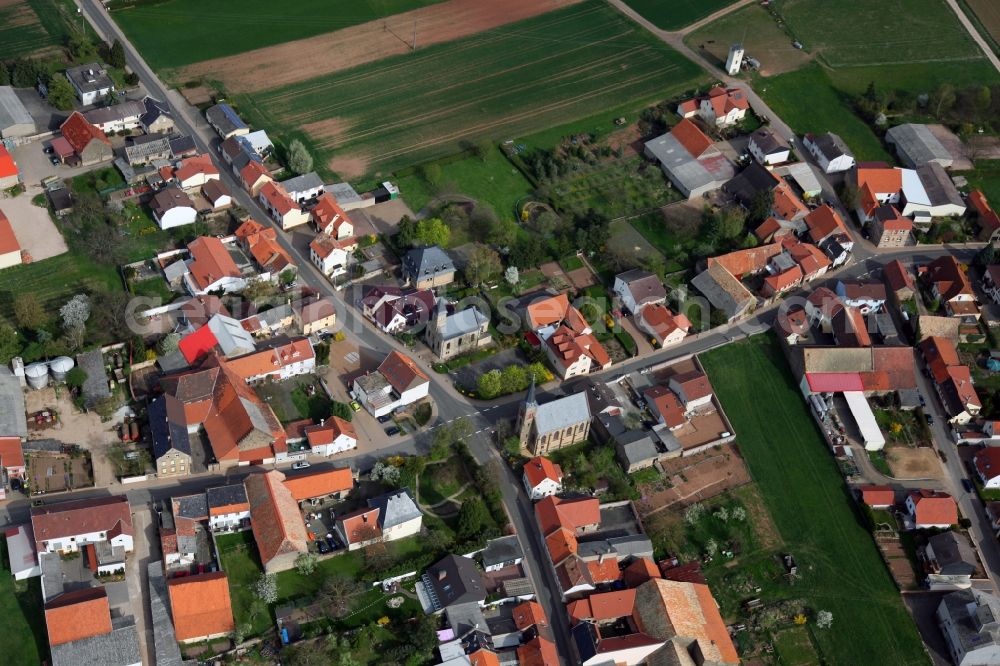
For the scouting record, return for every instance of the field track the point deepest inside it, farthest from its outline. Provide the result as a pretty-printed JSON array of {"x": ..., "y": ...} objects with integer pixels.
[{"x": 285, "y": 64}]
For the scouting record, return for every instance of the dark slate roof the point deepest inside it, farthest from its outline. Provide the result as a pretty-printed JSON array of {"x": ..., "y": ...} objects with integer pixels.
[
  {"x": 154, "y": 109},
  {"x": 940, "y": 190},
  {"x": 181, "y": 144},
  {"x": 965, "y": 626},
  {"x": 193, "y": 507},
  {"x": 831, "y": 145},
  {"x": 118, "y": 648},
  {"x": 169, "y": 430},
  {"x": 426, "y": 262},
  {"x": 502, "y": 550},
  {"x": 165, "y": 641},
  {"x": 954, "y": 554},
  {"x": 768, "y": 141},
  {"x": 749, "y": 182},
  {"x": 235, "y": 493},
  {"x": 455, "y": 580},
  {"x": 225, "y": 118}
]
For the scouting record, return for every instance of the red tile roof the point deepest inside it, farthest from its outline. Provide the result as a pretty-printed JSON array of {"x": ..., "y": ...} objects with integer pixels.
[
  {"x": 883, "y": 180},
  {"x": 786, "y": 203},
  {"x": 528, "y": 614},
  {"x": 252, "y": 173},
  {"x": 940, "y": 354},
  {"x": 897, "y": 277},
  {"x": 878, "y": 495},
  {"x": 320, "y": 483},
  {"x": 79, "y": 133},
  {"x": 110, "y": 515},
  {"x": 988, "y": 462},
  {"x": 484, "y": 657},
  {"x": 402, "y": 372},
  {"x": 724, "y": 100},
  {"x": 8, "y": 241},
  {"x": 810, "y": 259},
  {"x": 823, "y": 222},
  {"x": 73, "y": 616},
  {"x": 328, "y": 215},
  {"x": 273, "y": 359},
  {"x": 775, "y": 284},
  {"x": 749, "y": 261},
  {"x": 11, "y": 453},
  {"x": 194, "y": 166},
  {"x": 665, "y": 403},
  {"x": 277, "y": 525},
  {"x": 661, "y": 321},
  {"x": 360, "y": 525},
  {"x": 949, "y": 278},
  {"x": 324, "y": 245},
  {"x": 540, "y": 468},
  {"x": 200, "y": 605},
  {"x": 604, "y": 572},
  {"x": 278, "y": 198},
  {"x": 546, "y": 311},
  {"x": 7, "y": 166},
  {"x": 539, "y": 651},
  {"x": 573, "y": 514},
  {"x": 934, "y": 508},
  {"x": 330, "y": 430},
  {"x": 692, "y": 138},
  {"x": 568, "y": 346},
  {"x": 694, "y": 384},
  {"x": 693, "y": 613},
  {"x": 639, "y": 571},
  {"x": 210, "y": 261},
  {"x": 603, "y": 606}
]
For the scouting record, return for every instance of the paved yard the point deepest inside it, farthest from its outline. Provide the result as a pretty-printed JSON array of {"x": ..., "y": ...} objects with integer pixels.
[{"x": 34, "y": 229}]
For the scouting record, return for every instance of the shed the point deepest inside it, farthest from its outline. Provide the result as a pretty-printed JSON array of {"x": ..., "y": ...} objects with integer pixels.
[
  {"x": 865, "y": 418},
  {"x": 916, "y": 145},
  {"x": 95, "y": 387}
]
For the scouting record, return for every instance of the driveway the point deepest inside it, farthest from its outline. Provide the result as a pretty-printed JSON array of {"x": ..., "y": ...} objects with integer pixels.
[
  {"x": 137, "y": 577},
  {"x": 35, "y": 231}
]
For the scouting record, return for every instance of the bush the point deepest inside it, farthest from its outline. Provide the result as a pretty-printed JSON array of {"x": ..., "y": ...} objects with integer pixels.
[{"x": 423, "y": 414}]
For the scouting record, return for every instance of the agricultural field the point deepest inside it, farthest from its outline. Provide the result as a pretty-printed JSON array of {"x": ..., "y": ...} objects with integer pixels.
[
  {"x": 985, "y": 15},
  {"x": 28, "y": 28},
  {"x": 810, "y": 505},
  {"x": 826, "y": 112},
  {"x": 516, "y": 80},
  {"x": 914, "y": 31},
  {"x": 676, "y": 14},
  {"x": 181, "y": 32},
  {"x": 760, "y": 34},
  {"x": 22, "y": 633},
  {"x": 54, "y": 281}
]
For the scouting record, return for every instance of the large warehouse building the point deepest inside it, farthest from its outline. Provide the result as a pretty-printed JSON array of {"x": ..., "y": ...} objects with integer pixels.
[{"x": 15, "y": 121}]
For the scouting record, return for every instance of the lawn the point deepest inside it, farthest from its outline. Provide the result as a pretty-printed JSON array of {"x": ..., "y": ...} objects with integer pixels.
[
  {"x": 812, "y": 509},
  {"x": 616, "y": 188},
  {"x": 406, "y": 110},
  {"x": 23, "y": 640},
  {"x": 54, "y": 281},
  {"x": 914, "y": 31},
  {"x": 827, "y": 110},
  {"x": 986, "y": 177},
  {"x": 181, "y": 32},
  {"x": 239, "y": 559},
  {"x": 491, "y": 179},
  {"x": 794, "y": 647},
  {"x": 442, "y": 480},
  {"x": 675, "y": 14}
]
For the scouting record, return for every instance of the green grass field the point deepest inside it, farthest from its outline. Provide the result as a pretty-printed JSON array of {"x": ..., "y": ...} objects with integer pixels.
[
  {"x": 812, "y": 509},
  {"x": 32, "y": 26},
  {"x": 675, "y": 14},
  {"x": 54, "y": 281},
  {"x": 511, "y": 81},
  {"x": 182, "y": 32},
  {"x": 909, "y": 31},
  {"x": 23, "y": 639},
  {"x": 826, "y": 110}
]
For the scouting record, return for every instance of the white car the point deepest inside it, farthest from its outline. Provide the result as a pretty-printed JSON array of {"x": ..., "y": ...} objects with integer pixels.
[{"x": 300, "y": 465}]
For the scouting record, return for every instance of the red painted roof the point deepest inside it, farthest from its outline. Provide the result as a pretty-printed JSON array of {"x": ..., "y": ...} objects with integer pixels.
[
  {"x": 320, "y": 483},
  {"x": 197, "y": 344},
  {"x": 834, "y": 382},
  {"x": 200, "y": 605},
  {"x": 7, "y": 166},
  {"x": 8, "y": 241},
  {"x": 878, "y": 495},
  {"x": 11, "y": 453},
  {"x": 934, "y": 508}
]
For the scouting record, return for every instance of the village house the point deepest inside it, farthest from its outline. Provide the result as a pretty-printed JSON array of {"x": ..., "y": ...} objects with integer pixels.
[
  {"x": 878, "y": 497},
  {"x": 15, "y": 121},
  {"x": 66, "y": 527},
  {"x": 81, "y": 630},
  {"x": 502, "y": 552},
  {"x": 211, "y": 268},
  {"x": 987, "y": 464},
  {"x": 191, "y": 173},
  {"x": 553, "y": 425},
  {"x": 931, "y": 509},
  {"x": 948, "y": 561},
  {"x": 121, "y": 117},
  {"x": 829, "y": 151},
  {"x": 987, "y": 218},
  {"x": 970, "y": 622},
  {"x": 200, "y": 607},
  {"x": 330, "y": 219},
  {"x": 916, "y": 144},
  {"x": 171, "y": 441},
  {"x": 329, "y": 255},
  {"x": 224, "y": 120},
  {"x": 394, "y": 515},
  {"x": 90, "y": 82},
  {"x": 228, "y": 508},
  {"x": 9, "y": 173},
  {"x": 254, "y": 176},
  {"x": 721, "y": 107},
  {"x": 314, "y": 314},
  {"x": 276, "y": 522},
  {"x": 10, "y": 248},
  {"x": 566, "y": 336},
  {"x": 665, "y": 406},
  {"x": 262, "y": 244},
  {"x": 768, "y": 148},
  {"x": 450, "y": 335},
  {"x": 146, "y": 148},
  {"x": 303, "y": 188},
  {"x": 172, "y": 207},
  {"x": 395, "y": 311},
  {"x": 276, "y": 359},
  {"x": 397, "y": 382},
  {"x": 898, "y": 281},
  {"x": 335, "y": 483},
  {"x": 922, "y": 193},
  {"x": 217, "y": 195},
  {"x": 950, "y": 285},
  {"x": 82, "y": 141},
  {"x": 664, "y": 327},
  {"x": 156, "y": 117},
  {"x": 991, "y": 282},
  {"x": 888, "y": 228},
  {"x": 282, "y": 208},
  {"x": 865, "y": 296},
  {"x": 428, "y": 267},
  {"x": 331, "y": 436},
  {"x": 637, "y": 288},
  {"x": 542, "y": 478}
]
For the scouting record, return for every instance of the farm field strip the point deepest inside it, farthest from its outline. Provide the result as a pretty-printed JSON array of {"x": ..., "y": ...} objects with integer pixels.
[
  {"x": 812, "y": 510},
  {"x": 182, "y": 32},
  {"x": 676, "y": 14},
  {"x": 987, "y": 14},
  {"x": 518, "y": 79},
  {"x": 304, "y": 59},
  {"x": 21, "y": 32}
]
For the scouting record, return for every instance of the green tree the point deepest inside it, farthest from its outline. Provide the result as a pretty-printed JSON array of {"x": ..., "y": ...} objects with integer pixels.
[
  {"x": 983, "y": 101},
  {"x": 732, "y": 220},
  {"x": 431, "y": 231},
  {"x": 483, "y": 265},
  {"x": 168, "y": 344},
  {"x": 490, "y": 384},
  {"x": 942, "y": 100},
  {"x": 76, "y": 377},
  {"x": 116, "y": 56},
  {"x": 82, "y": 47},
  {"x": 472, "y": 518},
  {"x": 431, "y": 173},
  {"x": 299, "y": 159},
  {"x": 760, "y": 208},
  {"x": 513, "y": 378},
  {"x": 306, "y": 563},
  {"x": 61, "y": 94},
  {"x": 28, "y": 311},
  {"x": 10, "y": 344}
]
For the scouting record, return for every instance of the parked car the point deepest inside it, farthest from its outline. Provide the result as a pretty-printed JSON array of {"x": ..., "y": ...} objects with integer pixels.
[
  {"x": 302, "y": 464},
  {"x": 49, "y": 150},
  {"x": 392, "y": 431},
  {"x": 355, "y": 406},
  {"x": 929, "y": 419},
  {"x": 323, "y": 548},
  {"x": 923, "y": 403},
  {"x": 330, "y": 542},
  {"x": 54, "y": 160},
  {"x": 969, "y": 488},
  {"x": 384, "y": 418},
  {"x": 942, "y": 456}
]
